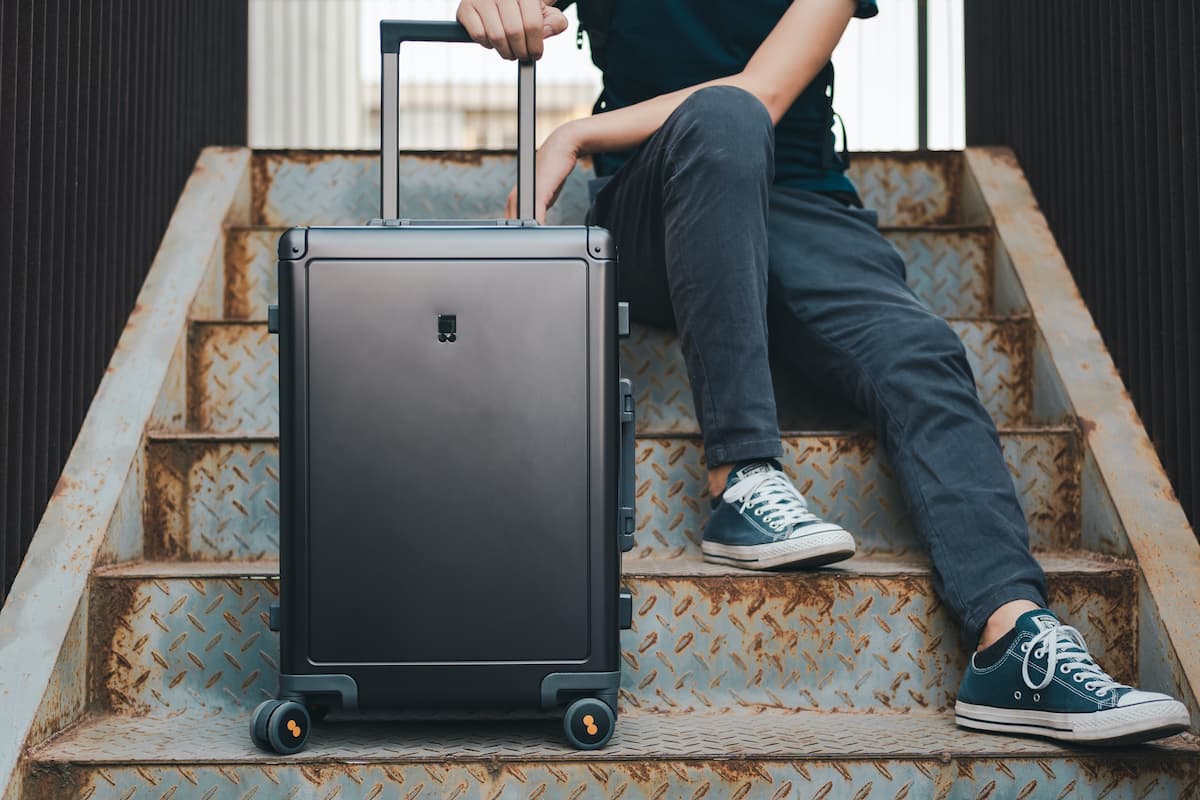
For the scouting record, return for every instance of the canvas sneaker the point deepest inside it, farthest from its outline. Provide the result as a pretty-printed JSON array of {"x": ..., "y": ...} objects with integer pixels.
[
  {"x": 762, "y": 521},
  {"x": 1046, "y": 683}
]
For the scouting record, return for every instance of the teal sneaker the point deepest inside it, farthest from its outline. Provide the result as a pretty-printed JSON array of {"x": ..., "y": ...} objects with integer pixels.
[
  {"x": 762, "y": 521},
  {"x": 1046, "y": 683}
]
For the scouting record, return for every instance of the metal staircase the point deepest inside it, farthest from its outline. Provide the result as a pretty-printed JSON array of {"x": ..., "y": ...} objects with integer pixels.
[{"x": 827, "y": 684}]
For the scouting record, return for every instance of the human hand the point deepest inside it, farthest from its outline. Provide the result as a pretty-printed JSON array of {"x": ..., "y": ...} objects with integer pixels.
[
  {"x": 555, "y": 159},
  {"x": 514, "y": 28}
]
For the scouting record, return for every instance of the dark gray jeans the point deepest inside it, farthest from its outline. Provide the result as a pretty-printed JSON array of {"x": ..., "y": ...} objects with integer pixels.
[{"x": 710, "y": 247}]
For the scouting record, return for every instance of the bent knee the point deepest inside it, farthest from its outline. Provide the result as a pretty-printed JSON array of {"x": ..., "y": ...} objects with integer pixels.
[
  {"x": 724, "y": 124},
  {"x": 731, "y": 104}
]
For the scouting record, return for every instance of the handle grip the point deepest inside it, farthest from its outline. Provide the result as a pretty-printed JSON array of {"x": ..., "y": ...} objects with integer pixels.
[{"x": 393, "y": 33}]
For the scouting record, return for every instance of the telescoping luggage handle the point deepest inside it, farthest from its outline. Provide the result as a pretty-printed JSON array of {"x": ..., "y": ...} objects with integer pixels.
[{"x": 393, "y": 33}]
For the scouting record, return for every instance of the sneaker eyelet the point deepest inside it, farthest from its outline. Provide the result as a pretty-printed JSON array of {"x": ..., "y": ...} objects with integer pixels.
[
  {"x": 1016, "y": 695},
  {"x": 1064, "y": 669},
  {"x": 1025, "y": 647},
  {"x": 1037, "y": 698},
  {"x": 1089, "y": 686},
  {"x": 1039, "y": 653},
  {"x": 1077, "y": 678},
  {"x": 758, "y": 512}
]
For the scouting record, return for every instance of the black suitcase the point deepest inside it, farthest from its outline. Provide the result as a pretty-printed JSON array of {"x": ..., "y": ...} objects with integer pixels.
[{"x": 456, "y": 460}]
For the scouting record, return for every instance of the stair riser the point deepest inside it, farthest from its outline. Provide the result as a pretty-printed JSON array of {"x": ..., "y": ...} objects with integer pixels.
[
  {"x": 819, "y": 641},
  {"x": 1083, "y": 775},
  {"x": 233, "y": 379},
  {"x": 343, "y": 188},
  {"x": 949, "y": 270},
  {"x": 220, "y": 499}
]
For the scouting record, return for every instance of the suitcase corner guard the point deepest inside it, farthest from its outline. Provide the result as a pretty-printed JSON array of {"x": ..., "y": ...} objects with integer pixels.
[
  {"x": 343, "y": 686},
  {"x": 602, "y": 685},
  {"x": 293, "y": 244}
]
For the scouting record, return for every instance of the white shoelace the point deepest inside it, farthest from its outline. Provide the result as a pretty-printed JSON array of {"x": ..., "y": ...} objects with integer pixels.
[
  {"x": 1068, "y": 653},
  {"x": 772, "y": 496}
]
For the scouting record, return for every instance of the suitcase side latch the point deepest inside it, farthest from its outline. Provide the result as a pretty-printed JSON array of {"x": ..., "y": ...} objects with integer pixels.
[{"x": 627, "y": 518}]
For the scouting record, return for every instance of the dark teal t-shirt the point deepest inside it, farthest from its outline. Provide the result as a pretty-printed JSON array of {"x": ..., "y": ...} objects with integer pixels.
[{"x": 658, "y": 46}]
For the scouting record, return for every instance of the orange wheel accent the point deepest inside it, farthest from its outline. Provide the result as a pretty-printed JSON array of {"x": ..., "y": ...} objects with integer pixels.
[{"x": 294, "y": 729}]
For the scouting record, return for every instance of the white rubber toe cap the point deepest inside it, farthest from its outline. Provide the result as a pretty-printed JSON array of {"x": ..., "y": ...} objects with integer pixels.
[{"x": 1137, "y": 697}]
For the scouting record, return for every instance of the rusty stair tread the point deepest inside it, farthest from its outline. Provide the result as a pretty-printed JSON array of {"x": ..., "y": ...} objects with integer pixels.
[
  {"x": 237, "y": 436},
  {"x": 864, "y": 565},
  {"x": 749, "y": 735},
  {"x": 215, "y": 494},
  {"x": 233, "y": 372},
  {"x": 995, "y": 319},
  {"x": 947, "y": 227}
]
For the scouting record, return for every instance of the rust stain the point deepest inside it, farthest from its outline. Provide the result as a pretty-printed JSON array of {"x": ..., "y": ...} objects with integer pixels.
[
  {"x": 63, "y": 487},
  {"x": 52, "y": 780},
  {"x": 112, "y": 684},
  {"x": 262, "y": 172},
  {"x": 1015, "y": 339},
  {"x": 197, "y": 387},
  {"x": 237, "y": 281},
  {"x": 1110, "y": 602},
  {"x": 168, "y": 465}
]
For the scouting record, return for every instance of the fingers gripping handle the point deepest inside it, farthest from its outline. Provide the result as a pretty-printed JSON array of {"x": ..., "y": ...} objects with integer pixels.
[{"x": 393, "y": 33}]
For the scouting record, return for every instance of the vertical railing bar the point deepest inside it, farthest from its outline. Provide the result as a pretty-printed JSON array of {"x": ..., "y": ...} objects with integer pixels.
[
  {"x": 23, "y": 120},
  {"x": 922, "y": 74}
]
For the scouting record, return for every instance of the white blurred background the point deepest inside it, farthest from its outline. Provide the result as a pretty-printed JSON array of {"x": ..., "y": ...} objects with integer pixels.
[{"x": 314, "y": 79}]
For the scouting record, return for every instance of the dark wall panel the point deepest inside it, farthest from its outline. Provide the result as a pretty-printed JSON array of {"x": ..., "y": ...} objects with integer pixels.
[
  {"x": 1099, "y": 101},
  {"x": 104, "y": 107}
]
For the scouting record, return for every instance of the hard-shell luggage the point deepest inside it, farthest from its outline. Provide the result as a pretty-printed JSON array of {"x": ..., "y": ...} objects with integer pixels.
[{"x": 456, "y": 458}]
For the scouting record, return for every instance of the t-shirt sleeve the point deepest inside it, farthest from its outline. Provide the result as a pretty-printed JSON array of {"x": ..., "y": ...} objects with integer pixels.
[{"x": 866, "y": 8}]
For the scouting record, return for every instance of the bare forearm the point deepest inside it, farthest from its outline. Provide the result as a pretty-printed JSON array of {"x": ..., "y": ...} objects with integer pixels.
[
  {"x": 626, "y": 128},
  {"x": 784, "y": 64}
]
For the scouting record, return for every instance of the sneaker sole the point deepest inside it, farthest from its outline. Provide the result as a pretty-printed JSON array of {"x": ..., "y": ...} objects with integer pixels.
[
  {"x": 1130, "y": 725},
  {"x": 812, "y": 550}
]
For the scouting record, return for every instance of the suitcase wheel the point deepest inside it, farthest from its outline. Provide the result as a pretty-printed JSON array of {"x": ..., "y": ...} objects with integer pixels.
[
  {"x": 280, "y": 726},
  {"x": 589, "y": 723},
  {"x": 258, "y": 723}
]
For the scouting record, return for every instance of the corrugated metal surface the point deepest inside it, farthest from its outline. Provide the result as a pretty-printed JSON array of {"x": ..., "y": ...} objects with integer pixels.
[
  {"x": 304, "y": 74},
  {"x": 1100, "y": 105},
  {"x": 105, "y": 107}
]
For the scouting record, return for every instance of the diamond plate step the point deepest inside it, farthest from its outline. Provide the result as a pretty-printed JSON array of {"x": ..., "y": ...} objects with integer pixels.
[
  {"x": 342, "y": 188},
  {"x": 868, "y": 635},
  {"x": 216, "y": 496},
  {"x": 233, "y": 380},
  {"x": 948, "y": 267},
  {"x": 763, "y": 754}
]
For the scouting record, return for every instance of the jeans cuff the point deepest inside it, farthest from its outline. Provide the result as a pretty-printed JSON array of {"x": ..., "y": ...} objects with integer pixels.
[
  {"x": 978, "y": 617},
  {"x": 718, "y": 454}
]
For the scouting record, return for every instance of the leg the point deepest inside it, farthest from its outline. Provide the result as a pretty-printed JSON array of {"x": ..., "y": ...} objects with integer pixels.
[
  {"x": 689, "y": 213},
  {"x": 694, "y": 201},
  {"x": 841, "y": 312}
]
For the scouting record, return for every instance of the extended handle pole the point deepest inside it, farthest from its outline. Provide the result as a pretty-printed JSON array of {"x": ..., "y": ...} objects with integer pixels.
[{"x": 393, "y": 33}]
